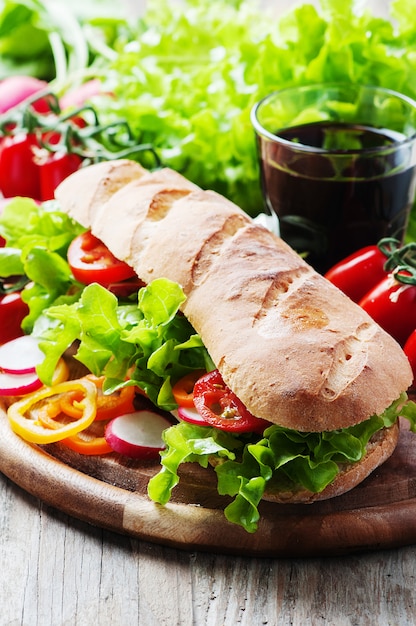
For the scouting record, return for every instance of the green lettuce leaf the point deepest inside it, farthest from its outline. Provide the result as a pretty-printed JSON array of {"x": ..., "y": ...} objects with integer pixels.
[
  {"x": 37, "y": 238},
  {"x": 282, "y": 459},
  {"x": 149, "y": 339},
  {"x": 188, "y": 74}
]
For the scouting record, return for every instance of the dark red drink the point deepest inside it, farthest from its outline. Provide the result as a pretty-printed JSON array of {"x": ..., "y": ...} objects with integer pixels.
[{"x": 354, "y": 190}]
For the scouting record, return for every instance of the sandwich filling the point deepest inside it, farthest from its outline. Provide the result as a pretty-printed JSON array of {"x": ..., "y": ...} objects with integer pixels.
[{"x": 142, "y": 339}]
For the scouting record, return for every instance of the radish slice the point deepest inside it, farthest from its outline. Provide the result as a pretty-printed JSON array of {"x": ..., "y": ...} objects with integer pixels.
[
  {"x": 18, "y": 384},
  {"x": 137, "y": 435},
  {"x": 188, "y": 414},
  {"x": 21, "y": 355}
]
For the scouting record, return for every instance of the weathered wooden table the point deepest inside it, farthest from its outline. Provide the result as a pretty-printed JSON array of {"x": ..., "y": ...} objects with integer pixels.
[{"x": 58, "y": 571}]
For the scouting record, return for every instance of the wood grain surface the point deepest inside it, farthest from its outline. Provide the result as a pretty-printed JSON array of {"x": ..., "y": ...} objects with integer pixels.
[{"x": 58, "y": 571}]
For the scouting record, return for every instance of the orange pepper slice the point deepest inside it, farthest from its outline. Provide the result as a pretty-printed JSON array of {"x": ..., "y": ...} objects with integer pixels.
[
  {"x": 96, "y": 445},
  {"x": 183, "y": 390}
]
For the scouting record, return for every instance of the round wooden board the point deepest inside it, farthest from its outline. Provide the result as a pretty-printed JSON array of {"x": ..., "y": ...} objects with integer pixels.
[{"x": 110, "y": 493}]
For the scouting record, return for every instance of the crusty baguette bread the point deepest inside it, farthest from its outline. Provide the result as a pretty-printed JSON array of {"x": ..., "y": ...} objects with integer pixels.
[{"x": 292, "y": 347}]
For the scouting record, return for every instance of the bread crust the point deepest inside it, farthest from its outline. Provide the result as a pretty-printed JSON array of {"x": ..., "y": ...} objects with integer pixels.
[{"x": 293, "y": 348}]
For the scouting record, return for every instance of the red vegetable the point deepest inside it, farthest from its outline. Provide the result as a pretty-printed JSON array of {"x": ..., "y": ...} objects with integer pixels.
[
  {"x": 410, "y": 351},
  {"x": 12, "y": 312},
  {"x": 19, "y": 173},
  {"x": 392, "y": 304},
  {"x": 221, "y": 408},
  {"x": 359, "y": 272},
  {"x": 91, "y": 261},
  {"x": 54, "y": 169}
]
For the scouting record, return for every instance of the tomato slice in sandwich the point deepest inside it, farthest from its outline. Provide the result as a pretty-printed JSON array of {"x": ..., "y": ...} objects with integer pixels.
[
  {"x": 221, "y": 408},
  {"x": 92, "y": 262}
]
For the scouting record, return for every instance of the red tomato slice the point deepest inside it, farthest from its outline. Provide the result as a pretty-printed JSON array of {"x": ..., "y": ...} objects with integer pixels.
[
  {"x": 92, "y": 262},
  {"x": 359, "y": 272},
  {"x": 221, "y": 408},
  {"x": 393, "y": 306}
]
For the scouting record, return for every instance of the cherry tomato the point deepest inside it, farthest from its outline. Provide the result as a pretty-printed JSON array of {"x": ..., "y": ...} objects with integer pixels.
[
  {"x": 392, "y": 305},
  {"x": 92, "y": 262},
  {"x": 19, "y": 173},
  {"x": 221, "y": 408},
  {"x": 12, "y": 312},
  {"x": 359, "y": 272},
  {"x": 410, "y": 351},
  {"x": 53, "y": 169}
]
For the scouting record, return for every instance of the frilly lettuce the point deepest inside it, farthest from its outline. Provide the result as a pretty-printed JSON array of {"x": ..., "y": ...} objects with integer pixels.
[
  {"x": 188, "y": 74},
  {"x": 281, "y": 459},
  {"x": 147, "y": 340}
]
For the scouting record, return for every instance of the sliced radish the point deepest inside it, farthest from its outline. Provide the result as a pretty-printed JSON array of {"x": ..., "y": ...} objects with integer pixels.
[
  {"x": 21, "y": 355},
  {"x": 18, "y": 384},
  {"x": 137, "y": 435},
  {"x": 188, "y": 414}
]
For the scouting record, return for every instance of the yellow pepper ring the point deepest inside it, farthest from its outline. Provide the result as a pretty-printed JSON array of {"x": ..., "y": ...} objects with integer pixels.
[{"x": 33, "y": 431}]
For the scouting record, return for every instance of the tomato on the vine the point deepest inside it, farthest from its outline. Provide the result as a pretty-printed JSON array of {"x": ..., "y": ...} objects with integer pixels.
[
  {"x": 221, "y": 408},
  {"x": 54, "y": 169},
  {"x": 359, "y": 272},
  {"x": 92, "y": 262},
  {"x": 392, "y": 304},
  {"x": 19, "y": 173}
]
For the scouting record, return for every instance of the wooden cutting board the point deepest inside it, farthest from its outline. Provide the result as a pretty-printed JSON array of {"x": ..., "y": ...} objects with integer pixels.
[{"x": 110, "y": 492}]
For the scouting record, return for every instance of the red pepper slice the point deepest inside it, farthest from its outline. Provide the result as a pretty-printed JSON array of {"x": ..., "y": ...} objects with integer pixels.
[{"x": 221, "y": 408}]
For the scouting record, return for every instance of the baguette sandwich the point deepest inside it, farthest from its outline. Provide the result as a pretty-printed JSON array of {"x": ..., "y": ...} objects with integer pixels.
[{"x": 325, "y": 383}]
